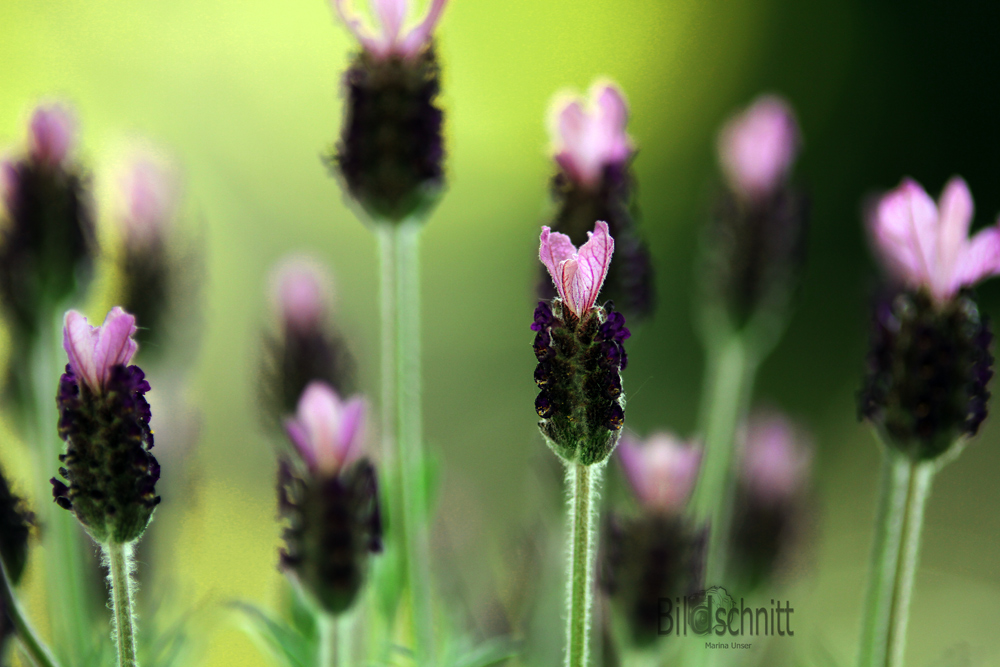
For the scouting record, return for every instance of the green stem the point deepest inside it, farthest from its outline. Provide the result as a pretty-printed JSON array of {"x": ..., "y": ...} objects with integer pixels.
[
  {"x": 329, "y": 649},
  {"x": 33, "y": 646},
  {"x": 905, "y": 488},
  {"x": 119, "y": 563},
  {"x": 729, "y": 382},
  {"x": 582, "y": 482},
  {"x": 402, "y": 417}
]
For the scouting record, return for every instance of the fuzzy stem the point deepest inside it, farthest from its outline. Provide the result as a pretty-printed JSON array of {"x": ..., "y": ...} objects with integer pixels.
[
  {"x": 582, "y": 482},
  {"x": 905, "y": 489},
  {"x": 120, "y": 564},
  {"x": 402, "y": 419},
  {"x": 33, "y": 646},
  {"x": 729, "y": 381}
]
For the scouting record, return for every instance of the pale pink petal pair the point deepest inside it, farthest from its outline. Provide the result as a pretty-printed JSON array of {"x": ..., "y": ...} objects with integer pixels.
[
  {"x": 776, "y": 462},
  {"x": 662, "y": 471},
  {"x": 928, "y": 246},
  {"x": 589, "y": 134},
  {"x": 94, "y": 351},
  {"x": 301, "y": 291},
  {"x": 327, "y": 431},
  {"x": 758, "y": 146},
  {"x": 149, "y": 192},
  {"x": 578, "y": 275},
  {"x": 392, "y": 40},
  {"x": 53, "y": 130}
]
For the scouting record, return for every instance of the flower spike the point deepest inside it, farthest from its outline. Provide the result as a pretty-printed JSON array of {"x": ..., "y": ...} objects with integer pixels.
[{"x": 578, "y": 275}]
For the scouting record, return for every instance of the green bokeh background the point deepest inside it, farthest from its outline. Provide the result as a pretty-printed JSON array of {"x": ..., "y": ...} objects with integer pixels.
[{"x": 245, "y": 95}]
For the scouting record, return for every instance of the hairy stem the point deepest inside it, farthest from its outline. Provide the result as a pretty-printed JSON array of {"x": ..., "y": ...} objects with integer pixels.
[
  {"x": 120, "y": 564},
  {"x": 582, "y": 482},
  {"x": 905, "y": 488},
  {"x": 33, "y": 646},
  {"x": 729, "y": 381}
]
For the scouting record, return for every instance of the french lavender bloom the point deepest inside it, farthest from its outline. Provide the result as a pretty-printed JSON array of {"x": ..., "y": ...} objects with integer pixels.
[
  {"x": 658, "y": 554},
  {"x": 307, "y": 347},
  {"x": 930, "y": 362},
  {"x": 46, "y": 234},
  {"x": 329, "y": 496},
  {"x": 756, "y": 242},
  {"x": 391, "y": 150},
  {"x": 770, "y": 501},
  {"x": 580, "y": 351},
  {"x": 104, "y": 419},
  {"x": 593, "y": 153},
  {"x": 148, "y": 193}
]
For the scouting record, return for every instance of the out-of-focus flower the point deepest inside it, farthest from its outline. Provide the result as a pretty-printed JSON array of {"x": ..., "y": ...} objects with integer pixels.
[
  {"x": 662, "y": 471},
  {"x": 53, "y": 131},
  {"x": 928, "y": 247},
  {"x": 391, "y": 40},
  {"x": 580, "y": 351},
  {"x": 327, "y": 431},
  {"x": 594, "y": 182},
  {"x": 589, "y": 135},
  {"x": 149, "y": 197},
  {"x": 771, "y": 500},
  {"x": 104, "y": 419},
  {"x": 578, "y": 275},
  {"x": 331, "y": 502},
  {"x": 300, "y": 292},
  {"x": 758, "y": 146},
  {"x": 15, "y": 526}
]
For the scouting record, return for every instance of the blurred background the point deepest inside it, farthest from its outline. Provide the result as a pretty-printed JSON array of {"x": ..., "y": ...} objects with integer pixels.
[{"x": 245, "y": 96}]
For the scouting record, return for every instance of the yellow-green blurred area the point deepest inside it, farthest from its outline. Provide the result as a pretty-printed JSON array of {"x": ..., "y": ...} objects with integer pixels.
[{"x": 245, "y": 95}]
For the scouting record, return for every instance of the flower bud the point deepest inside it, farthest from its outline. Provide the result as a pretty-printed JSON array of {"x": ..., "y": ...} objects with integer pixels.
[
  {"x": 756, "y": 242},
  {"x": 391, "y": 150},
  {"x": 580, "y": 352},
  {"x": 594, "y": 182},
  {"x": 329, "y": 498},
  {"x": 307, "y": 347},
  {"x": 929, "y": 367},
  {"x": 769, "y": 507},
  {"x": 104, "y": 419}
]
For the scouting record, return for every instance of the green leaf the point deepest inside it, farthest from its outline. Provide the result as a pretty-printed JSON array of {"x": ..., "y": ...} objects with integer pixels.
[{"x": 284, "y": 642}]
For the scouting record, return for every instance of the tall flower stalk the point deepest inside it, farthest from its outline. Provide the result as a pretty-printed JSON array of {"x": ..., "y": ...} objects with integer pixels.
[
  {"x": 110, "y": 474},
  {"x": 580, "y": 352},
  {"x": 754, "y": 252},
  {"x": 390, "y": 160},
  {"x": 925, "y": 392}
]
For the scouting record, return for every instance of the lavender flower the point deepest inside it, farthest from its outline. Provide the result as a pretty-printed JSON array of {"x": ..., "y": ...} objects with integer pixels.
[
  {"x": 593, "y": 153},
  {"x": 330, "y": 498},
  {"x": 307, "y": 347},
  {"x": 658, "y": 554},
  {"x": 770, "y": 499},
  {"x": 104, "y": 419},
  {"x": 391, "y": 150},
  {"x": 580, "y": 351},
  {"x": 930, "y": 360},
  {"x": 756, "y": 242}
]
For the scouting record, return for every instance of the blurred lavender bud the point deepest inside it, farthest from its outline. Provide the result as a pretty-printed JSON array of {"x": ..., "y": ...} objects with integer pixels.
[
  {"x": 15, "y": 526},
  {"x": 594, "y": 182},
  {"x": 307, "y": 347},
  {"x": 330, "y": 498},
  {"x": 47, "y": 236},
  {"x": 391, "y": 150},
  {"x": 104, "y": 419},
  {"x": 580, "y": 351},
  {"x": 756, "y": 242},
  {"x": 658, "y": 554},
  {"x": 930, "y": 361},
  {"x": 770, "y": 499},
  {"x": 148, "y": 201}
]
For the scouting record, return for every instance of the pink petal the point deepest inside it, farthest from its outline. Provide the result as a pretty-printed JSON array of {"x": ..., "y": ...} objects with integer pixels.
[
  {"x": 357, "y": 28},
  {"x": 149, "y": 190},
  {"x": 391, "y": 14},
  {"x": 775, "y": 463},
  {"x": 352, "y": 428},
  {"x": 757, "y": 147},
  {"x": 662, "y": 471},
  {"x": 955, "y": 210},
  {"x": 52, "y": 134},
  {"x": 904, "y": 230},
  {"x": 553, "y": 249},
  {"x": 418, "y": 38},
  {"x": 79, "y": 341},
  {"x": 300, "y": 438},
  {"x": 300, "y": 292},
  {"x": 114, "y": 342},
  {"x": 630, "y": 456},
  {"x": 613, "y": 119},
  {"x": 594, "y": 260},
  {"x": 979, "y": 259}
]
